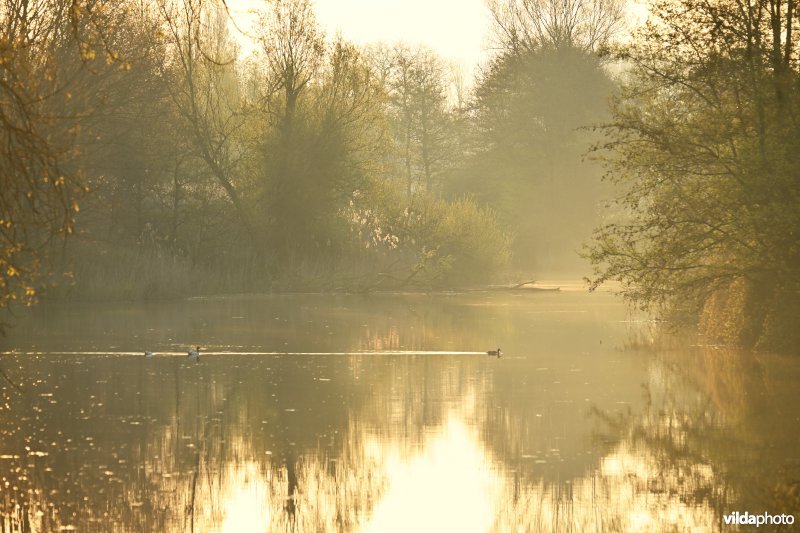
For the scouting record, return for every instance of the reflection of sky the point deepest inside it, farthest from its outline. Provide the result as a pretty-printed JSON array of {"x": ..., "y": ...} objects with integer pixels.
[
  {"x": 449, "y": 485},
  {"x": 242, "y": 503}
]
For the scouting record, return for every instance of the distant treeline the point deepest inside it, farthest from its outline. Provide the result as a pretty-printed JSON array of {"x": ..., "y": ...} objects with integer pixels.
[{"x": 179, "y": 165}]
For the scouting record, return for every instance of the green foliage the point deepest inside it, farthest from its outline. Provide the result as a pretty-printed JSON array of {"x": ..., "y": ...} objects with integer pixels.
[
  {"x": 316, "y": 150},
  {"x": 422, "y": 125},
  {"x": 44, "y": 47},
  {"x": 465, "y": 241},
  {"x": 429, "y": 243},
  {"x": 209, "y": 172},
  {"x": 530, "y": 122},
  {"x": 704, "y": 140}
]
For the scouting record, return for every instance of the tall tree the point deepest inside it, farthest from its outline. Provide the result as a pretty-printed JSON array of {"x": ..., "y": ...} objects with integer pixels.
[
  {"x": 205, "y": 93},
  {"x": 532, "y": 109},
  {"x": 293, "y": 49},
  {"x": 417, "y": 84},
  {"x": 40, "y": 181},
  {"x": 588, "y": 25},
  {"x": 705, "y": 141},
  {"x": 320, "y": 113}
]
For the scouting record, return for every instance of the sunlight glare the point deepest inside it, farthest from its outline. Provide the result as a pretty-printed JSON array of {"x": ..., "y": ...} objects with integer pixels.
[
  {"x": 458, "y": 30},
  {"x": 448, "y": 486},
  {"x": 244, "y": 505}
]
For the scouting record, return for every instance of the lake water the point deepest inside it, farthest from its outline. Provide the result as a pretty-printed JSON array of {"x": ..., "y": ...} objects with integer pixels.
[{"x": 368, "y": 413}]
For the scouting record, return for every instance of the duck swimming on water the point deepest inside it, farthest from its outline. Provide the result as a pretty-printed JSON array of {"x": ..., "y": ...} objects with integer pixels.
[
  {"x": 497, "y": 353},
  {"x": 194, "y": 353},
  {"x": 148, "y": 353}
]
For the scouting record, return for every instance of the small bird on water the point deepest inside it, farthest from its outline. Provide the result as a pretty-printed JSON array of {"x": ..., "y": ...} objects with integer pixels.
[
  {"x": 195, "y": 353},
  {"x": 498, "y": 352},
  {"x": 148, "y": 353}
]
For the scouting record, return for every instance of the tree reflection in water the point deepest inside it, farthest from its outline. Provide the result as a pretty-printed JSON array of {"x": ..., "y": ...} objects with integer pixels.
[
  {"x": 569, "y": 435},
  {"x": 718, "y": 434}
]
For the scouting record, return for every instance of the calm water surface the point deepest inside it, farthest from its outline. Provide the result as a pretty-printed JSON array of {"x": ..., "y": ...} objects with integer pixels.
[{"x": 318, "y": 424}]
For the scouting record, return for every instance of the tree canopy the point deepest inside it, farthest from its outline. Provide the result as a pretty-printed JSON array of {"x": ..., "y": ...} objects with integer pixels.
[{"x": 704, "y": 140}]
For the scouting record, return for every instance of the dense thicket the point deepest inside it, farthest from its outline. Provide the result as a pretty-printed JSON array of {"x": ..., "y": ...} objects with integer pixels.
[
  {"x": 183, "y": 166},
  {"x": 530, "y": 123},
  {"x": 705, "y": 140},
  {"x": 45, "y": 45},
  {"x": 530, "y": 134}
]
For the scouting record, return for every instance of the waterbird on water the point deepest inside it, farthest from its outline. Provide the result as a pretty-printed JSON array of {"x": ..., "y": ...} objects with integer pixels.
[
  {"x": 148, "y": 353},
  {"x": 195, "y": 353},
  {"x": 498, "y": 352}
]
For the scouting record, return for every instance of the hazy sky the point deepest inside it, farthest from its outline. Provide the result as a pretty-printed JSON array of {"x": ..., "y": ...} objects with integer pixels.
[{"x": 456, "y": 29}]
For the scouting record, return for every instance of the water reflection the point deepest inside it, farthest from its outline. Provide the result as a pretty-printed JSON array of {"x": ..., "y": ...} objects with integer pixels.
[
  {"x": 564, "y": 434},
  {"x": 449, "y": 484}
]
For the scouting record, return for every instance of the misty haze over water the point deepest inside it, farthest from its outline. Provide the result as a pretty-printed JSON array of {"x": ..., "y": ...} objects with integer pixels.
[{"x": 259, "y": 274}]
